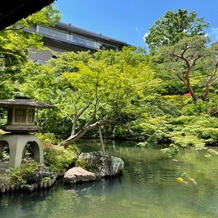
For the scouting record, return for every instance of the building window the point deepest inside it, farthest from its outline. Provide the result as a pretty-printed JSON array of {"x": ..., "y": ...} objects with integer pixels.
[
  {"x": 31, "y": 116},
  {"x": 52, "y": 33},
  {"x": 20, "y": 115}
]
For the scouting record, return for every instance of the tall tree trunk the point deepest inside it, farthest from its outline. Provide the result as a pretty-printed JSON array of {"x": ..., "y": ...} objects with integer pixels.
[
  {"x": 101, "y": 140},
  {"x": 189, "y": 86},
  {"x": 189, "y": 64},
  {"x": 77, "y": 116},
  {"x": 211, "y": 79}
]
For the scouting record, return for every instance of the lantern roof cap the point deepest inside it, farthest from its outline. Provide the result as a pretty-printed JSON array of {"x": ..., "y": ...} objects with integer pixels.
[{"x": 23, "y": 101}]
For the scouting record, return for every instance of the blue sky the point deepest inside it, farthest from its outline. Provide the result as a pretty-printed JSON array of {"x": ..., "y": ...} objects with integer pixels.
[{"x": 130, "y": 20}]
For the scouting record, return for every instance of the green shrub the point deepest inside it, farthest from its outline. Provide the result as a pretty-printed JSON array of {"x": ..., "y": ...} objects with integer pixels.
[
  {"x": 195, "y": 131},
  {"x": 196, "y": 108},
  {"x": 48, "y": 138},
  {"x": 188, "y": 140},
  {"x": 23, "y": 174},
  {"x": 182, "y": 120},
  {"x": 57, "y": 158}
]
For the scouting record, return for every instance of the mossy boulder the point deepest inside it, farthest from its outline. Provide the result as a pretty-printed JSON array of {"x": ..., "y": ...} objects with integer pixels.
[{"x": 100, "y": 164}]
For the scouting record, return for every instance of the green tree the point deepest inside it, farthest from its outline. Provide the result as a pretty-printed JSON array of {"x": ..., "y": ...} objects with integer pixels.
[
  {"x": 14, "y": 43},
  {"x": 173, "y": 26},
  {"x": 194, "y": 63},
  {"x": 93, "y": 90}
]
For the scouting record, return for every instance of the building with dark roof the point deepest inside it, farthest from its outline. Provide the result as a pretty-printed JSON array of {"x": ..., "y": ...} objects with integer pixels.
[{"x": 66, "y": 37}]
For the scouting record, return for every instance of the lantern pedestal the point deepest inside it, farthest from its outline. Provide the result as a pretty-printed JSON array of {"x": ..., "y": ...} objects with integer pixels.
[{"x": 17, "y": 144}]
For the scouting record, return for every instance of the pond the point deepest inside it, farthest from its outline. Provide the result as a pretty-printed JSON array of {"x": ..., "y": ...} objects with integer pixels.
[{"x": 152, "y": 185}]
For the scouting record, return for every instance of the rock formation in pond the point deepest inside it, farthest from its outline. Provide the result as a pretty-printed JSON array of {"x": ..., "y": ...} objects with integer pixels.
[
  {"x": 78, "y": 174},
  {"x": 92, "y": 165},
  {"x": 100, "y": 164}
]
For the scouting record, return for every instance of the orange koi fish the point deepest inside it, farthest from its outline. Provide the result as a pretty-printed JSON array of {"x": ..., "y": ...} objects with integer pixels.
[{"x": 192, "y": 180}]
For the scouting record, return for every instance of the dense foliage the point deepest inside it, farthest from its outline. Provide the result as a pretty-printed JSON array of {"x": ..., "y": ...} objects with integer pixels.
[
  {"x": 174, "y": 26},
  {"x": 14, "y": 43},
  {"x": 128, "y": 94},
  {"x": 58, "y": 158}
]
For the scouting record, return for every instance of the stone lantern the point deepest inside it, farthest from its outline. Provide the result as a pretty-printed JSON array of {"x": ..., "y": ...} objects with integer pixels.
[{"x": 20, "y": 123}]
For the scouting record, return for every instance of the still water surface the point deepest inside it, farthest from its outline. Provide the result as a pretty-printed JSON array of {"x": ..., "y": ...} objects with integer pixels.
[{"x": 149, "y": 188}]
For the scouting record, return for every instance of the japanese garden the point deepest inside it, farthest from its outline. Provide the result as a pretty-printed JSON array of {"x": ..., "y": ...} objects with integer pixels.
[{"x": 155, "y": 110}]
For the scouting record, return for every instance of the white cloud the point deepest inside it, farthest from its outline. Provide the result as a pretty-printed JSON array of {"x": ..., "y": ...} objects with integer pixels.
[
  {"x": 214, "y": 32},
  {"x": 137, "y": 30},
  {"x": 207, "y": 35},
  {"x": 146, "y": 34}
]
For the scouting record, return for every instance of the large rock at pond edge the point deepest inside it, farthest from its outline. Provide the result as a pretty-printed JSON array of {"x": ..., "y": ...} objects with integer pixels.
[
  {"x": 100, "y": 164},
  {"x": 77, "y": 174}
]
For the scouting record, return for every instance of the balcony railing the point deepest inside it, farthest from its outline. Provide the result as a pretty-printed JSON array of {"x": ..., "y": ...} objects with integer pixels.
[{"x": 65, "y": 37}]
